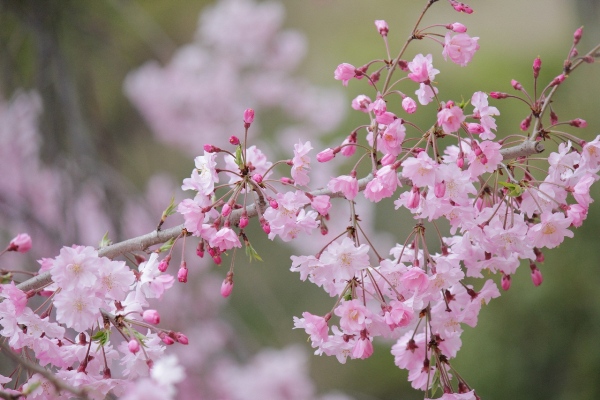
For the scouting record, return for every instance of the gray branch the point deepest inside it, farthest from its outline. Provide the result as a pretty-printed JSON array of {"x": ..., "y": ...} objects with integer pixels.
[{"x": 142, "y": 243}]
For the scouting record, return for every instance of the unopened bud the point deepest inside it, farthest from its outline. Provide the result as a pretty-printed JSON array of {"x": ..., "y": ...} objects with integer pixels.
[
  {"x": 325, "y": 155},
  {"x": 248, "y": 117},
  {"x": 578, "y": 123},
  {"x": 258, "y": 178},
  {"x": 227, "y": 285},
  {"x": 382, "y": 27},
  {"x": 558, "y": 80},
  {"x": 577, "y": 35},
  {"x": 505, "y": 282},
  {"x": 217, "y": 259},
  {"x": 181, "y": 338},
  {"x": 151, "y": 316},
  {"x": 209, "y": 148},
  {"x": 164, "y": 263},
  {"x": 133, "y": 346},
  {"x": 553, "y": 118},
  {"x": 537, "y": 66},
  {"x": 457, "y": 27},
  {"x": 244, "y": 221},
  {"x": 182, "y": 273},
  {"x": 273, "y": 203},
  {"x": 525, "y": 123},
  {"x": 536, "y": 275},
  {"x": 516, "y": 85},
  {"x": 234, "y": 140},
  {"x": 498, "y": 95}
]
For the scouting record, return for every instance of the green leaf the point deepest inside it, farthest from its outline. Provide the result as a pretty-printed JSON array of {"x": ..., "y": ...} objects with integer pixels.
[
  {"x": 141, "y": 338},
  {"x": 171, "y": 209},
  {"x": 238, "y": 158},
  {"x": 102, "y": 337},
  {"x": 166, "y": 246},
  {"x": 514, "y": 189},
  {"x": 251, "y": 253},
  {"x": 105, "y": 240}
]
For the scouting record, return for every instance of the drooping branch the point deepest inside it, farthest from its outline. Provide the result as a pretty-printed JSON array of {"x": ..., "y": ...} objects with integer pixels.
[{"x": 142, "y": 243}]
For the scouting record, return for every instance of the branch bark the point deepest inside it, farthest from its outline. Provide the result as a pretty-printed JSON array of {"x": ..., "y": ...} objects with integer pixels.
[{"x": 142, "y": 243}]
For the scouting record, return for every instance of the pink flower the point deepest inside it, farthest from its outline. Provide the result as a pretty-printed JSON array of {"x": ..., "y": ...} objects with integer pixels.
[
  {"x": 344, "y": 259},
  {"x": 77, "y": 309},
  {"x": 75, "y": 267},
  {"x": 301, "y": 163},
  {"x": 421, "y": 69},
  {"x": 204, "y": 176},
  {"x": 383, "y": 185},
  {"x": 398, "y": 314},
  {"x": 551, "y": 231},
  {"x": 344, "y": 72},
  {"x": 460, "y": 48},
  {"x": 321, "y": 204},
  {"x": 361, "y": 103},
  {"x": 425, "y": 93},
  {"x": 485, "y": 114},
  {"x": 314, "y": 325},
  {"x": 392, "y": 138},
  {"x": 421, "y": 170},
  {"x": 354, "y": 317},
  {"x": 345, "y": 184},
  {"x": 225, "y": 239},
  {"x": 450, "y": 119},
  {"x": 363, "y": 348},
  {"x": 20, "y": 243},
  {"x": 415, "y": 279}
]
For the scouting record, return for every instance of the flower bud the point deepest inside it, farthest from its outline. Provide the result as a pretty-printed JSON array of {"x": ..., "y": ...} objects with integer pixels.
[
  {"x": 166, "y": 338},
  {"x": 516, "y": 85},
  {"x": 536, "y": 275},
  {"x": 209, "y": 148},
  {"x": 577, "y": 35},
  {"x": 234, "y": 140},
  {"x": 217, "y": 259},
  {"x": 164, "y": 263},
  {"x": 505, "y": 282},
  {"x": 227, "y": 285},
  {"x": 578, "y": 123},
  {"x": 382, "y": 27},
  {"x": 409, "y": 105},
  {"x": 558, "y": 80},
  {"x": 553, "y": 118},
  {"x": 474, "y": 128},
  {"x": 537, "y": 65},
  {"x": 133, "y": 346},
  {"x": 258, "y": 178},
  {"x": 498, "y": 95},
  {"x": 266, "y": 227},
  {"x": 325, "y": 155},
  {"x": 525, "y": 123},
  {"x": 181, "y": 338},
  {"x": 273, "y": 203},
  {"x": 20, "y": 243},
  {"x": 226, "y": 210},
  {"x": 457, "y": 27},
  {"x": 244, "y": 221},
  {"x": 182, "y": 273},
  {"x": 151, "y": 316},
  {"x": 248, "y": 117}
]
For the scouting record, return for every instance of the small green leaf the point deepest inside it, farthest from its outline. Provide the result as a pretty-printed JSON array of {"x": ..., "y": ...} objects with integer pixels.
[
  {"x": 6, "y": 278},
  {"x": 171, "y": 209},
  {"x": 166, "y": 246},
  {"x": 238, "y": 158},
  {"x": 102, "y": 337},
  {"x": 105, "y": 240},
  {"x": 514, "y": 189},
  {"x": 141, "y": 338},
  {"x": 251, "y": 253}
]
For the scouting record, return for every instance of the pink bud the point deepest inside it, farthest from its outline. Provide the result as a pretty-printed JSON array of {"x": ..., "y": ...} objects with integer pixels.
[
  {"x": 248, "y": 117},
  {"x": 226, "y": 210},
  {"x": 234, "y": 140},
  {"x": 537, "y": 65},
  {"x": 382, "y": 27},
  {"x": 440, "y": 189},
  {"x": 460, "y": 161},
  {"x": 286, "y": 180},
  {"x": 558, "y": 80},
  {"x": 273, "y": 203},
  {"x": 536, "y": 275},
  {"x": 181, "y": 338},
  {"x": 133, "y": 346},
  {"x": 516, "y": 85},
  {"x": 525, "y": 123},
  {"x": 20, "y": 243},
  {"x": 209, "y": 148},
  {"x": 226, "y": 287},
  {"x": 166, "y": 338},
  {"x": 409, "y": 105},
  {"x": 347, "y": 149},
  {"x": 151, "y": 316},
  {"x": 182, "y": 273},
  {"x": 325, "y": 155},
  {"x": 217, "y": 259},
  {"x": 164, "y": 263},
  {"x": 498, "y": 95},
  {"x": 539, "y": 256},
  {"x": 553, "y": 118},
  {"x": 244, "y": 221},
  {"x": 388, "y": 159},
  {"x": 578, "y": 123},
  {"x": 266, "y": 227},
  {"x": 505, "y": 282},
  {"x": 577, "y": 35},
  {"x": 474, "y": 128},
  {"x": 457, "y": 27},
  {"x": 258, "y": 178},
  {"x": 414, "y": 198}
]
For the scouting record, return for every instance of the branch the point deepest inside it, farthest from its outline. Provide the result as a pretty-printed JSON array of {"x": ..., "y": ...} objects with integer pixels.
[
  {"x": 142, "y": 243},
  {"x": 57, "y": 383}
]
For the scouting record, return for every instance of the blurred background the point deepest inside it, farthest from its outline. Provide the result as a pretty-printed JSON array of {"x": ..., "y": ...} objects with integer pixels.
[{"x": 105, "y": 104}]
